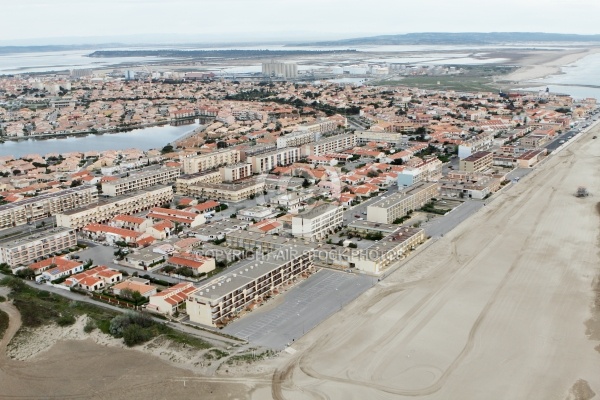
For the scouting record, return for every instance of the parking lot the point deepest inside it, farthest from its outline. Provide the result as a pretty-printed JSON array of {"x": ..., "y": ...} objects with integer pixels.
[{"x": 300, "y": 309}]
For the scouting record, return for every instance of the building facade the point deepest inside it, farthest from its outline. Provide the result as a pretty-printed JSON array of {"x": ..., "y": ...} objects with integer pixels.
[
  {"x": 106, "y": 209},
  {"x": 280, "y": 70},
  {"x": 263, "y": 163},
  {"x": 318, "y": 222},
  {"x": 184, "y": 182},
  {"x": 387, "y": 210},
  {"x": 217, "y": 302},
  {"x": 46, "y": 205},
  {"x": 140, "y": 181},
  {"x": 329, "y": 145},
  {"x": 229, "y": 191},
  {"x": 477, "y": 162},
  {"x": 27, "y": 248},
  {"x": 204, "y": 162},
  {"x": 235, "y": 172}
]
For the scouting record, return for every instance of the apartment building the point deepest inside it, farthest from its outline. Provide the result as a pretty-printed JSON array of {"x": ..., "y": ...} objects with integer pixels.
[
  {"x": 45, "y": 205},
  {"x": 217, "y": 302},
  {"x": 296, "y": 139},
  {"x": 257, "y": 213},
  {"x": 329, "y": 145},
  {"x": 319, "y": 127},
  {"x": 259, "y": 242},
  {"x": 28, "y": 247},
  {"x": 235, "y": 172},
  {"x": 317, "y": 223},
  {"x": 184, "y": 182},
  {"x": 107, "y": 208},
  {"x": 429, "y": 170},
  {"x": 263, "y": 163},
  {"x": 140, "y": 181},
  {"x": 397, "y": 205},
  {"x": 229, "y": 191},
  {"x": 203, "y": 162},
  {"x": 280, "y": 70},
  {"x": 482, "y": 142},
  {"x": 477, "y": 162},
  {"x": 365, "y": 137}
]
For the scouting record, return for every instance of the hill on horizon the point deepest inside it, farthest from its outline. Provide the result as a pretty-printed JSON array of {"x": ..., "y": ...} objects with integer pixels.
[{"x": 457, "y": 38}]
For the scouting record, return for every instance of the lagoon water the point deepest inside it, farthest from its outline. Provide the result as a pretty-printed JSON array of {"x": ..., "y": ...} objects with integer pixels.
[
  {"x": 583, "y": 72},
  {"x": 155, "y": 137}
]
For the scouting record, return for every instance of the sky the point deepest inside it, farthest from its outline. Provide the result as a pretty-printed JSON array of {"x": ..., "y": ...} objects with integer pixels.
[{"x": 30, "y": 22}]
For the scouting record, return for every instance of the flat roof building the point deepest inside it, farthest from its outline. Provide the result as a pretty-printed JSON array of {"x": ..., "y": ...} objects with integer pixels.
[
  {"x": 477, "y": 162},
  {"x": 210, "y": 161},
  {"x": 45, "y": 205},
  {"x": 317, "y": 223},
  {"x": 220, "y": 300},
  {"x": 398, "y": 205},
  {"x": 107, "y": 208},
  {"x": 140, "y": 181},
  {"x": 28, "y": 247}
]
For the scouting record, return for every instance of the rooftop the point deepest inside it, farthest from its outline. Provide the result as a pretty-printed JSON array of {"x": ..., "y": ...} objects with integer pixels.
[{"x": 27, "y": 237}]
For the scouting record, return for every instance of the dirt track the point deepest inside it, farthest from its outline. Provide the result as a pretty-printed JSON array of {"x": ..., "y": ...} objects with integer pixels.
[{"x": 501, "y": 313}]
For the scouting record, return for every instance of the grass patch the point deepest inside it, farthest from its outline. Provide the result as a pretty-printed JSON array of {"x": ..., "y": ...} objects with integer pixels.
[
  {"x": 182, "y": 338},
  {"x": 452, "y": 82},
  {"x": 3, "y": 323},
  {"x": 249, "y": 358}
]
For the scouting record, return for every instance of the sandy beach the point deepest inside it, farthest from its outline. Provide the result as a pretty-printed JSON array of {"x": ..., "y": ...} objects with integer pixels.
[
  {"x": 503, "y": 312},
  {"x": 538, "y": 65}
]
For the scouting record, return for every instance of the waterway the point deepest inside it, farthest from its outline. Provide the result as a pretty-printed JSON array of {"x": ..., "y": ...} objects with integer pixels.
[{"x": 155, "y": 137}]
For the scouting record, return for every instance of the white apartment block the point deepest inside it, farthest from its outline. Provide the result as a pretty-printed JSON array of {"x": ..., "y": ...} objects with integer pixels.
[
  {"x": 365, "y": 137},
  {"x": 27, "y": 248},
  {"x": 45, "y": 205},
  {"x": 321, "y": 126},
  {"x": 104, "y": 210},
  {"x": 296, "y": 139},
  {"x": 318, "y": 222},
  {"x": 203, "y": 162},
  {"x": 228, "y": 191},
  {"x": 280, "y": 70},
  {"x": 236, "y": 172},
  {"x": 482, "y": 142},
  {"x": 387, "y": 210},
  {"x": 220, "y": 300},
  {"x": 140, "y": 181},
  {"x": 429, "y": 171},
  {"x": 329, "y": 145},
  {"x": 247, "y": 115},
  {"x": 263, "y": 163},
  {"x": 184, "y": 182},
  {"x": 259, "y": 242}
]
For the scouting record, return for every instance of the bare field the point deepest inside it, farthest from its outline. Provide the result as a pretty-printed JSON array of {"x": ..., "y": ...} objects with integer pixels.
[{"x": 501, "y": 312}]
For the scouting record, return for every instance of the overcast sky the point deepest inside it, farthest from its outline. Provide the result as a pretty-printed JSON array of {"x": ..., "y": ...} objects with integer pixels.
[{"x": 247, "y": 20}]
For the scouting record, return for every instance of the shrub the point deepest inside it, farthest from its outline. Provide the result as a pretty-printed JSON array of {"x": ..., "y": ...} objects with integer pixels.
[
  {"x": 90, "y": 325},
  {"x": 135, "y": 334},
  {"x": 66, "y": 320},
  {"x": 2, "y": 299}
]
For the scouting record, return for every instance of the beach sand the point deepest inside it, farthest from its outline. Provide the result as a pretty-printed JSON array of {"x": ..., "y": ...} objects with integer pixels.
[
  {"x": 502, "y": 312},
  {"x": 540, "y": 64}
]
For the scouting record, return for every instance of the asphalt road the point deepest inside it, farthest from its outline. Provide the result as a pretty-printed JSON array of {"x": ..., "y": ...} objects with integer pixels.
[
  {"x": 300, "y": 309},
  {"x": 442, "y": 225}
]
